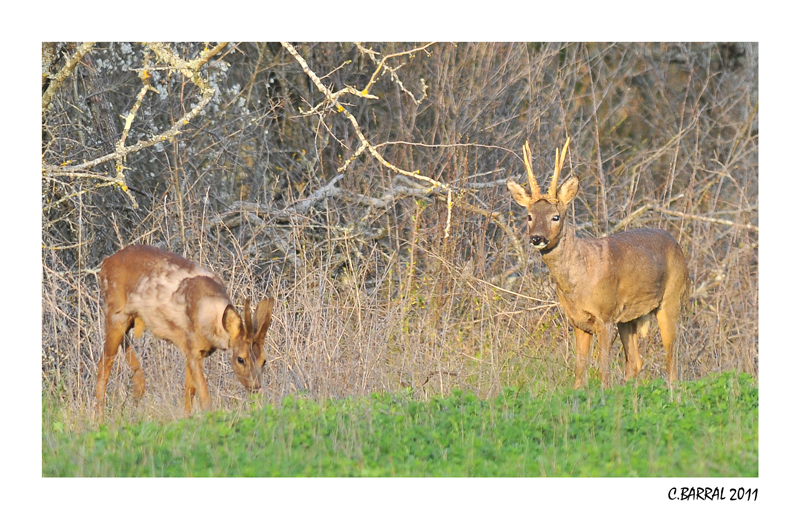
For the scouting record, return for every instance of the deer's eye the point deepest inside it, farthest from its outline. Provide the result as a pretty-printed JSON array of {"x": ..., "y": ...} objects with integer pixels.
[
  {"x": 240, "y": 360},
  {"x": 530, "y": 218},
  {"x": 556, "y": 218}
]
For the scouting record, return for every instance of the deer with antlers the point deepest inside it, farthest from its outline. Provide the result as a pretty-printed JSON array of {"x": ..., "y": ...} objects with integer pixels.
[
  {"x": 143, "y": 287},
  {"x": 605, "y": 284}
]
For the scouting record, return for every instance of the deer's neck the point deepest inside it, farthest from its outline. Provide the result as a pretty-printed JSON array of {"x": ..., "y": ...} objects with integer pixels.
[{"x": 567, "y": 260}]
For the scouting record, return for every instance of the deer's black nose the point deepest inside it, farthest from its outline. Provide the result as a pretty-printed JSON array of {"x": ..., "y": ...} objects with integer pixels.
[{"x": 538, "y": 240}]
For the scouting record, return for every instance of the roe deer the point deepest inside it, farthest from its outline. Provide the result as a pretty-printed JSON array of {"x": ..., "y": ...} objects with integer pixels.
[
  {"x": 609, "y": 283},
  {"x": 143, "y": 287}
]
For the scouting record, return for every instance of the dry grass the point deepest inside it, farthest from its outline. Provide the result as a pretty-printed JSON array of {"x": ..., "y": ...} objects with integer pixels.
[{"x": 374, "y": 298}]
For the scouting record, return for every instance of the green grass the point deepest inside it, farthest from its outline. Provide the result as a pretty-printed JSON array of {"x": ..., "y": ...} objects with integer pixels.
[{"x": 708, "y": 428}]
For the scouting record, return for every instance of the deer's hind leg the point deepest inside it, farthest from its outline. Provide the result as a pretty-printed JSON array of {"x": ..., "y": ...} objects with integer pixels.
[
  {"x": 629, "y": 334},
  {"x": 133, "y": 362},
  {"x": 667, "y": 315},
  {"x": 606, "y": 333}
]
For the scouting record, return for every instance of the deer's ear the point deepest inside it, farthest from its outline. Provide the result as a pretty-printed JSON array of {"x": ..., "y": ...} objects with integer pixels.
[
  {"x": 263, "y": 318},
  {"x": 518, "y": 193},
  {"x": 568, "y": 190}
]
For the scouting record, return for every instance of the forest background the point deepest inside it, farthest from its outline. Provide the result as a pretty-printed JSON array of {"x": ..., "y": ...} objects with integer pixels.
[{"x": 363, "y": 185}]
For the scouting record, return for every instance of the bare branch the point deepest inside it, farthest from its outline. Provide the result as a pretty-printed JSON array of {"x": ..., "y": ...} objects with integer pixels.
[
  {"x": 190, "y": 70},
  {"x": 393, "y": 71},
  {"x": 64, "y": 73},
  {"x": 365, "y": 144}
]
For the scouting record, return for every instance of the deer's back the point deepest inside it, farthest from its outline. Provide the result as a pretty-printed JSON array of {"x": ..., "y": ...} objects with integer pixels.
[
  {"x": 620, "y": 277},
  {"x": 159, "y": 287},
  {"x": 647, "y": 253}
]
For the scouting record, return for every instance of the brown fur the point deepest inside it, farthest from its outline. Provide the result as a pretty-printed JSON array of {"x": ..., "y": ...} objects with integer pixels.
[
  {"x": 177, "y": 300},
  {"x": 608, "y": 284}
]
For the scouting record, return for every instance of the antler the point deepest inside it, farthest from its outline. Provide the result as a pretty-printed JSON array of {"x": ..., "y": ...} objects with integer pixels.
[
  {"x": 526, "y": 155},
  {"x": 248, "y": 317},
  {"x": 551, "y": 191},
  {"x": 536, "y": 193}
]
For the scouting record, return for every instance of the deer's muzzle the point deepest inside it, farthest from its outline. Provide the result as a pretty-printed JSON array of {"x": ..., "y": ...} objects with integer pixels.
[{"x": 539, "y": 242}]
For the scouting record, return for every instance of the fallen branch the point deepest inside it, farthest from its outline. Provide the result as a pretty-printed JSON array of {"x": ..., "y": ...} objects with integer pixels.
[{"x": 708, "y": 219}]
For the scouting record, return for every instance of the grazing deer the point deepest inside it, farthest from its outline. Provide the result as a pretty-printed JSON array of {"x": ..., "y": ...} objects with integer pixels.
[
  {"x": 609, "y": 283},
  {"x": 178, "y": 300}
]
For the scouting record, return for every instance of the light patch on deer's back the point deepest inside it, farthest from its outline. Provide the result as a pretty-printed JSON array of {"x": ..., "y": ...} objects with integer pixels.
[{"x": 155, "y": 298}]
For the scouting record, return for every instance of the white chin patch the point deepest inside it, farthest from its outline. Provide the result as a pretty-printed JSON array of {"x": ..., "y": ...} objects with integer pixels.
[{"x": 540, "y": 246}]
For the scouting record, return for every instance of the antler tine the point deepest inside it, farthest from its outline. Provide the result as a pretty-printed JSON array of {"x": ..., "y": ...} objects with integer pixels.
[
  {"x": 526, "y": 155},
  {"x": 551, "y": 192}
]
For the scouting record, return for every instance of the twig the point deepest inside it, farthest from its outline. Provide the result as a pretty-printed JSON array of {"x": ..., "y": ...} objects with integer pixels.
[{"x": 468, "y": 276}]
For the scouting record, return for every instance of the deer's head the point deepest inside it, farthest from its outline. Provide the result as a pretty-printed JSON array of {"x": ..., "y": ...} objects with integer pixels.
[
  {"x": 247, "y": 355},
  {"x": 545, "y": 210}
]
